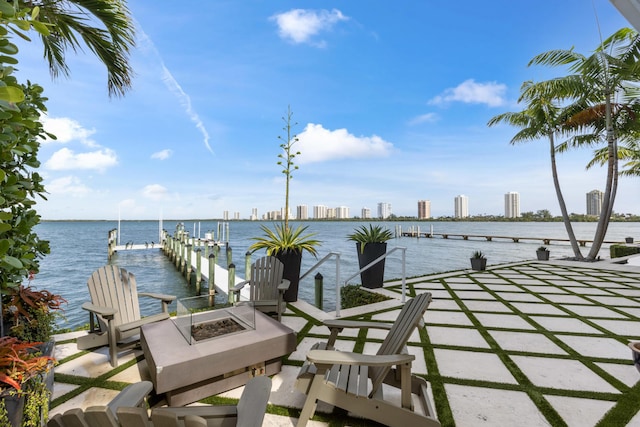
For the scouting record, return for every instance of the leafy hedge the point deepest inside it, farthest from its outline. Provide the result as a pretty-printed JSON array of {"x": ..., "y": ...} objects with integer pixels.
[
  {"x": 618, "y": 251},
  {"x": 354, "y": 296}
]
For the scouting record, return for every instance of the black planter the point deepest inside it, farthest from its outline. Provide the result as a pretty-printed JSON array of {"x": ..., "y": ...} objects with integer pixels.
[
  {"x": 374, "y": 275},
  {"x": 292, "y": 261},
  {"x": 543, "y": 255},
  {"x": 48, "y": 349},
  {"x": 478, "y": 264},
  {"x": 628, "y": 239},
  {"x": 15, "y": 409}
]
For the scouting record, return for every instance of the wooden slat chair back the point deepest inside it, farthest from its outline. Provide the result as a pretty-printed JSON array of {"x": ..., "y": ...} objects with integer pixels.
[
  {"x": 115, "y": 308},
  {"x": 112, "y": 286},
  {"x": 396, "y": 340},
  {"x": 266, "y": 275},
  {"x": 266, "y": 286},
  {"x": 353, "y": 381}
]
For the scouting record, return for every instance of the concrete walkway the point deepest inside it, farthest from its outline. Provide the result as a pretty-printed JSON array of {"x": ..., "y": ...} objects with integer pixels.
[{"x": 527, "y": 344}]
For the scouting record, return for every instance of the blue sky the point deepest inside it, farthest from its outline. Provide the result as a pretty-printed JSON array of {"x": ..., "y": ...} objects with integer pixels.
[{"x": 391, "y": 101}]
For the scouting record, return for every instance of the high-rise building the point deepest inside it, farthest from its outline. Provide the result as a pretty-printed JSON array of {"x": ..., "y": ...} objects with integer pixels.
[
  {"x": 342, "y": 212},
  {"x": 384, "y": 210},
  {"x": 254, "y": 214},
  {"x": 225, "y": 215},
  {"x": 302, "y": 212},
  {"x": 424, "y": 209},
  {"x": 512, "y": 205},
  {"x": 319, "y": 212},
  {"x": 461, "y": 206},
  {"x": 331, "y": 213},
  {"x": 236, "y": 215},
  {"x": 594, "y": 202},
  {"x": 365, "y": 213}
]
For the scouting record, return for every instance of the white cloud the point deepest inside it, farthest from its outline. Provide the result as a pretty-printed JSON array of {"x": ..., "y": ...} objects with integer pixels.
[
  {"x": 67, "y": 185},
  {"x": 317, "y": 144},
  {"x": 300, "y": 25},
  {"x": 424, "y": 118},
  {"x": 470, "y": 92},
  {"x": 65, "y": 159},
  {"x": 155, "y": 192},
  {"x": 67, "y": 130},
  {"x": 162, "y": 155}
]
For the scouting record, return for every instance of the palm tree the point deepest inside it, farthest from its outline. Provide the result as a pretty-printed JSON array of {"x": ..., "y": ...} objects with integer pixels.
[
  {"x": 604, "y": 104},
  {"x": 630, "y": 152},
  {"x": 73, "y": 21},
  {"x": 541, "y": 118}
]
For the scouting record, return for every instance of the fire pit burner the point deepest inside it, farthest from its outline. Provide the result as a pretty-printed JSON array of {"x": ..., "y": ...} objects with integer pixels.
[{"x": 216, "y": 328}]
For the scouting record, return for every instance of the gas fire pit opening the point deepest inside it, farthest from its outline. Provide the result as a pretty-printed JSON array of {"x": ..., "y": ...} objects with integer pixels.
[{"x": 216, "y": 328}]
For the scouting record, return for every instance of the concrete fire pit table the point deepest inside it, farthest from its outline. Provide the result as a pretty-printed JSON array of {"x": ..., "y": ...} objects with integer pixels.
[{"x": 187, "y": 372}]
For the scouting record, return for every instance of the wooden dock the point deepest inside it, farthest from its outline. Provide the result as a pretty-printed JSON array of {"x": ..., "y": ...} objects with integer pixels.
[
  {"x": 194, "y": 257},
  {"x": 544, "y": 240}
]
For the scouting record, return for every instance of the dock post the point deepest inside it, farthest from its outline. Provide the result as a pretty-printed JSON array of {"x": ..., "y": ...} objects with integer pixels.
[
  {"x": 247, "y": 266},
  {"x": 229, "y": 253},
  {"x": 187, "y": 264},
  {"x": 212, "y": 272},
  {"x": 198, "y": 270},
  {"x": 319, "y": 283},
  {"x": 177, "y": 259},
  {"x": 231, "y": 284}
]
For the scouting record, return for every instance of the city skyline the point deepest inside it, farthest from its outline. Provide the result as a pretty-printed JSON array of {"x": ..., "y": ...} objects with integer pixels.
[{"x": 511, "y": 208}]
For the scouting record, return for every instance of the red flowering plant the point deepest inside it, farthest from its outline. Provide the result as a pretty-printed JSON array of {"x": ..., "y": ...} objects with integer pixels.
[
  {"x": 19, "y": 362},
  {"x": 29, "y": 314}
]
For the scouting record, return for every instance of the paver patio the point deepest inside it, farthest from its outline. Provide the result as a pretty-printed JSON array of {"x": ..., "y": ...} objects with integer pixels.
[{"x": 527, "y": 344}]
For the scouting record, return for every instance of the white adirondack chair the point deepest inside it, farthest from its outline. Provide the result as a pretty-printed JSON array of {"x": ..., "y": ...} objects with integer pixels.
[
  {"x": 114, "y": 311},
  {"x": 266, "y": 286},
  {"x": 353, "y": 381}
]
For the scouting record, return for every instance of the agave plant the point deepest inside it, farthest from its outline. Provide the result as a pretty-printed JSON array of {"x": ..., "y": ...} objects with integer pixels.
[
  {"x": 477, "y": 255},
  {"x": 284, "y": 239},
  {"x": 373, "y": 234}
]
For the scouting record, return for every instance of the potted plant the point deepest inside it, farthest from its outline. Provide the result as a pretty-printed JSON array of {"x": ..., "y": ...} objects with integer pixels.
[
  {"x": 286, "y": 243},
  {"x": 478, "y": 261},
  {"x": 628, "y": 239},
  {"x": 24, "y": 398},
  {"x": 371, "y": 245},
  {"x": 543, "y": 253}
]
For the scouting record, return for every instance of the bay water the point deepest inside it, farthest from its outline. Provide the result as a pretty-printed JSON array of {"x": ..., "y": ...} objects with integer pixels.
[{"x": 80, "y": 247}]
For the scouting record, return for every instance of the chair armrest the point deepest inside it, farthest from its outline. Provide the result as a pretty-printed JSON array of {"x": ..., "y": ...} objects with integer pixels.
[
  {"x": 106, "y": 312},
  {"x": 163, "y": 297},
  {"x": 332, "y": 357},
  {"x": 207, "y": 412},
  {"x": 284, "y": 285},
  {"x": 342, "y": 324},
  {"x": 337, "y": 325},
  {"x": 132, "y": 395},
  {"x": 239, "y": 286}
]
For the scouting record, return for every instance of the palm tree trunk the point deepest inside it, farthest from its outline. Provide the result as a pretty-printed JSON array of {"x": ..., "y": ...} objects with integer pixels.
[
  {"x": 611, "y": 185},
  {"x": 563, "y": 206}
]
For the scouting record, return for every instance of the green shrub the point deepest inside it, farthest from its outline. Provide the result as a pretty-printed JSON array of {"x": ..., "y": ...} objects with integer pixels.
[
  {"x": 355, "y": 296},
  {"x": 618, "y": 251}
]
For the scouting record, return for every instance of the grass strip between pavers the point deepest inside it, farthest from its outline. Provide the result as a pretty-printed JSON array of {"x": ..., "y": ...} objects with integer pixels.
[{"x": 527, "y": 386}]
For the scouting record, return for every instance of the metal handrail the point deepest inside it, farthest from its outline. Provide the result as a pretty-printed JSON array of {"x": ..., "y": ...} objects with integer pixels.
[
  {"x": 371, "y": 264},
  {"x": 322, "y": 261}
]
